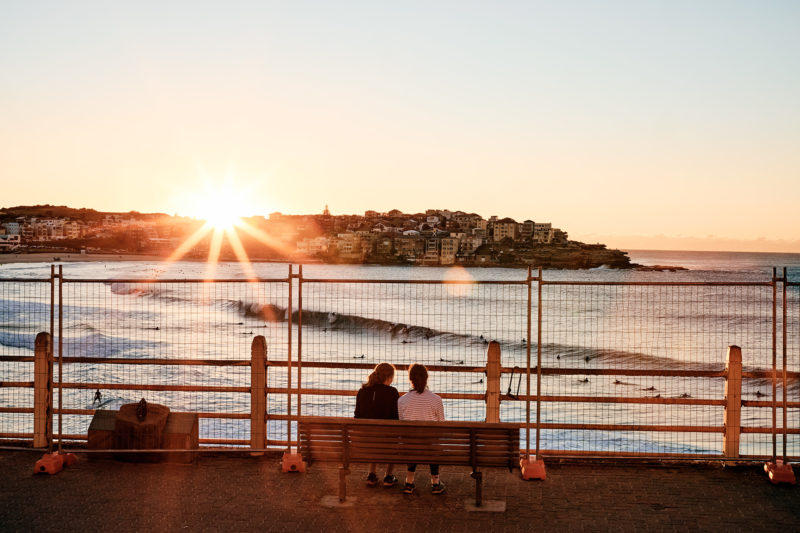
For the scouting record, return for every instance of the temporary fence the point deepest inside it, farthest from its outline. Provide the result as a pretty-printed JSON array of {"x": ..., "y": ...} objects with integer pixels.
[
  {"x": 591, "y": 368},
  {"x": 27, "y": 309}
]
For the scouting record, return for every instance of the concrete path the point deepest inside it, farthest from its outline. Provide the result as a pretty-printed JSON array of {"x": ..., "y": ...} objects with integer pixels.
[{"x": 222, "y": 493}]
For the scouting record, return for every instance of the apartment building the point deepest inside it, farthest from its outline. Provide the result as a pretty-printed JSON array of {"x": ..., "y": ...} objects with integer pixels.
[
  {"x": 449, "y": 249},
  {"x": 469, "y": 244},
  {"x": 9, "y": 243},
  {"x": 431, "y": 251},
  {"x": 526, "y": 229},
  {"x": 505, "y": 228},
  {"x": 12, "y": 228},
  {"x": 409, "y": 246},
  {"x": 384, "y": 246},
  {"x": 72, "y": 229},
  {"x": 543, "y": 232},
  {"x": 313, "y": 246}
]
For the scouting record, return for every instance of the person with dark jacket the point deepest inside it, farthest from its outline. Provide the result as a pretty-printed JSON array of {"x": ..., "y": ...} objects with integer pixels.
[{"x": 378, "y": 399}]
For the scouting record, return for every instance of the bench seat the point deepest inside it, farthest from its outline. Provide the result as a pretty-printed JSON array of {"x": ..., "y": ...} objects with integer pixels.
[{"x": 348, "y": 440}]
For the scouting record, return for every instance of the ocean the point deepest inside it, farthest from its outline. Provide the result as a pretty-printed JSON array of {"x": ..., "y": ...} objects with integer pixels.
[{"x": 593, "y": 322}]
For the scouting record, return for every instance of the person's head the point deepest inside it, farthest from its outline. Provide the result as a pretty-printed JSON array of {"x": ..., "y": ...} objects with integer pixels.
[
  {"x": 418, "y": 375},
  {"x": 383, "y": 373}
]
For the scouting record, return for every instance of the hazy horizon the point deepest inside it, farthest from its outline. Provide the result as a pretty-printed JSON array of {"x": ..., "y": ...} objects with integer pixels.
[{"x": 651, "y": 125}]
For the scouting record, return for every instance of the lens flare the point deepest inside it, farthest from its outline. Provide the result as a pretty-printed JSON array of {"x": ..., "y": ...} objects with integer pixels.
[{"x": 222, "y": 208}]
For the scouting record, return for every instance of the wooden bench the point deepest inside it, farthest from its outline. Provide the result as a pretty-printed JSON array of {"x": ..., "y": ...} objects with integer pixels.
[{"x": 348, "y": 440}]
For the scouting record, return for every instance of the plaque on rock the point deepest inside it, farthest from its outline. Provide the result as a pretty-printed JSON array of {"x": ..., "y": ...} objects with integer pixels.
[{"x": 140, "y": 426}]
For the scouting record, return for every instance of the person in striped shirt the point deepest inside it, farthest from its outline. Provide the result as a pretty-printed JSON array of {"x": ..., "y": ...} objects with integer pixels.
[{"x": 421, "y": 404}]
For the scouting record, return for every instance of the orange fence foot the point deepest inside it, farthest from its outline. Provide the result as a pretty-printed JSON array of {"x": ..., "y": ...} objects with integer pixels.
[
  {"x": 780, "y": 472},
  {"x": 293, "y": 462},
  {"x": 52, "y": 463},
  {"x": 532, "y": 468}
]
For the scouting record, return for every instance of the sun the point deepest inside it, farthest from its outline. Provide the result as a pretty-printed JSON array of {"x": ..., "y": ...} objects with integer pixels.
[
  {"x": 221, "y": 207},
  {"x": 223, "y": 211}
]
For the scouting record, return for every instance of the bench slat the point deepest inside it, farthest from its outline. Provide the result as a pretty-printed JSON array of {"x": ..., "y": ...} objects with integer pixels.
[{"x": 447, "y": 443}]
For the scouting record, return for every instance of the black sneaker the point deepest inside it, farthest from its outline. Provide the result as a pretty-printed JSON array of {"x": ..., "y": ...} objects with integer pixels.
[
  {"x": 389, "y": 481},
  {"x": 372, "y": 479},
  {"x": 408, "y": 488},
  {"x": 438, "y": 488}
]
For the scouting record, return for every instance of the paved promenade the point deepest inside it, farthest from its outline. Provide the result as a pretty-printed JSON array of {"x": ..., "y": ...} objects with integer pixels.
[{"x": 223, "y": 493}]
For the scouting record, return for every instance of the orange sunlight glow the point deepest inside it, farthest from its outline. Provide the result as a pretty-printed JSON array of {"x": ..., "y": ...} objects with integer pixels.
[
  {"x": 222, "y": 208},
  {"x": 458, "y": 281}
]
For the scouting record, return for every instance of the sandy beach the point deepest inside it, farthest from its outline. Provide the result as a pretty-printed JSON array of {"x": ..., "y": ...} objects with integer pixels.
[
  {"x": 50, "y": 257},
  {"x": 54, "y": 258}
]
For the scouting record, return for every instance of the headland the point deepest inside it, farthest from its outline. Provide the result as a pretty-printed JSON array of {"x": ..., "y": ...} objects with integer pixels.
[{"x": 437, "y": 237}]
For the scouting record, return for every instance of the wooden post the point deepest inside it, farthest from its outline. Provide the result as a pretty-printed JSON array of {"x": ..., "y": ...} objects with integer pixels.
[
  {"x": 733, "y": 402},
  {"x": 43, "y": 391},
  {"x": 478, "y": 477},
  {"x": 493, "y": 382},
  {"x": 258, "y": 394},
  {"x": 343, "y": 472}
]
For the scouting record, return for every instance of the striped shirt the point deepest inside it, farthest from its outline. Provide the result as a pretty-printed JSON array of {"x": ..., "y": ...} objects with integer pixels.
[{"x": 425, "y": 406}]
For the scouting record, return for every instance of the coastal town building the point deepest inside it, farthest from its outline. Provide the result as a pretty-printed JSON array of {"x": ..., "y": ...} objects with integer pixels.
[
  {"x": 435, "y": 237},
  {"x": 11, "y": 228},
  {"x": 543, "y": 232},
  {"x": 449, "y": 249},
  {"x": 526, "y": 229},
  {"x": 313, "y": 246},
  {"x": 9, "y": 243},
  {"x": 506, "y": 228},
  {"x": 431, "y": 256}
]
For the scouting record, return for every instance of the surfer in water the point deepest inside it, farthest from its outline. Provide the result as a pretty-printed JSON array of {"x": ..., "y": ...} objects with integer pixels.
[{"x": 378, "y": 399}]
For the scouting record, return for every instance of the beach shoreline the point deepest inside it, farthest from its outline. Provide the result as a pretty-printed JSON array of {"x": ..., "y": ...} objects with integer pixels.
[{"x": 50, "y": 257}]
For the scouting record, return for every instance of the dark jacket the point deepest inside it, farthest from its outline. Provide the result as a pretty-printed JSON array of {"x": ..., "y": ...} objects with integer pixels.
[{"x": 379, "y": 401}]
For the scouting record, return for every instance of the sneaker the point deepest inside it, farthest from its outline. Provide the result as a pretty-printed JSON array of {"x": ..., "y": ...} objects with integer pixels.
[
  {"x": 389, "y": 481},
  {"x": 438, "y": 488},
  {"x": 372, "y": 479},
  {"x": 408, "y": 488}
]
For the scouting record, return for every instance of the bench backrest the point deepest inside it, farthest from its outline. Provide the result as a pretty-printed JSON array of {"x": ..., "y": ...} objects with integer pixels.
[{"x": 346, "y": 440}]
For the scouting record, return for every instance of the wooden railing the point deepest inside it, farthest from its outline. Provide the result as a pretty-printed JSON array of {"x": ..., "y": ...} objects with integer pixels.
[{"x": 730, "y": 427}]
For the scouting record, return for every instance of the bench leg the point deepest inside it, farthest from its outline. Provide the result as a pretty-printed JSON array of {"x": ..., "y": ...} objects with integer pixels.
[
  {"x": 343, "y": 472},
  {"x": 478, "y": 477}
]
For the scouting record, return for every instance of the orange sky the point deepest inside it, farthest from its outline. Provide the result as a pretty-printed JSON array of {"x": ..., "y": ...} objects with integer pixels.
[{"x": 643, "y": 126}]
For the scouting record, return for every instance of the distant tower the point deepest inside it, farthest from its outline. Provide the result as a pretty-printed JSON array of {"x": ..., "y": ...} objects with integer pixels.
[{"x": 326, "y": 212}]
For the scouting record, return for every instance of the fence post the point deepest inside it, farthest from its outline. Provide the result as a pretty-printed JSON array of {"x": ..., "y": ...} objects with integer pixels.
[
  {"x": 493, "y": 382},
  {"x": 733, "y": 402},
  {"x": 258, "y": 394},
  {"x": 43, "y": 391}
]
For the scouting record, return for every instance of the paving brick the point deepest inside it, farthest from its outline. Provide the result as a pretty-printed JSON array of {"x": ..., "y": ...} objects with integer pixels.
[{"x": 223, "y": 493}]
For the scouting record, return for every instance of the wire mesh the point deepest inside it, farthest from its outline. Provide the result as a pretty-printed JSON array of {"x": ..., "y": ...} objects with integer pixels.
[
  {"x": 628, "y": 367},
  {"x": 596, "y": 337},
  {"x": 446, "y": 325},
  {"x": 183, "y": 344},
  {"x": 25, "y": 307},
  {"x": 792, "y": 353}
]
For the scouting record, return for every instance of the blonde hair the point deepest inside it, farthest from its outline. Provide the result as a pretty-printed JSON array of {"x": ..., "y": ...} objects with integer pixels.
[{"x": 380, "y": 374}]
